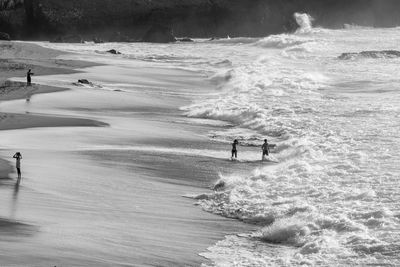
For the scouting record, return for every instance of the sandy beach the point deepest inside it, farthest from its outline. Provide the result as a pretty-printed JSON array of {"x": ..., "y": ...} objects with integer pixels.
[
  {"x": 113, "y": 194},
  {"x": 15, "y": 60},
  {"x": 199, "y": 133}
]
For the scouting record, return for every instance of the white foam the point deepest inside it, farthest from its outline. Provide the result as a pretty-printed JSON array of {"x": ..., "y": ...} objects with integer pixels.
[{"x": 304, "y": 21}]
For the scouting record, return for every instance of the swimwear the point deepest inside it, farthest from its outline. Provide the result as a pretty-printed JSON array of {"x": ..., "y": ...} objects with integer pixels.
[{"x": 234, "y": 153}]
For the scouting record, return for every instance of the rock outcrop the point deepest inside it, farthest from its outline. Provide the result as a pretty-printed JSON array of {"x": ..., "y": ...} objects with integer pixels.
[
  {"x": 5, "y": 36},
  {"x": 10, "y": 4},
  {"x": 114, "y": 52},
  {"x": 84, "y": 81},
  {"x": 187, "y": 40},
  {"x": 46, "y": 19}
]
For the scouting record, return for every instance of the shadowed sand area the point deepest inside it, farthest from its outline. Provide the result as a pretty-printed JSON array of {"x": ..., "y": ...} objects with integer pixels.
[
  {"x": 109, "y": 196},
  {"x": 15, "y": 60}
]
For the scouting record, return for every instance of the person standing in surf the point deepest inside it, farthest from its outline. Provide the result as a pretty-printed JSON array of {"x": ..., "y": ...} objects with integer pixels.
[
  {"x": 18, "y": 158},
  {"x": 29, "y": 78},
  {"x": 234, "y": 149},
  {"x": 265, "y": 149}
]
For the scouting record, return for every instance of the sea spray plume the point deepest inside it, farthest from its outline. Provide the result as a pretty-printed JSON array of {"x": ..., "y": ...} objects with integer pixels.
[
  {"x": 304, "y": 21},
  {"x": 299, "y": 38}
]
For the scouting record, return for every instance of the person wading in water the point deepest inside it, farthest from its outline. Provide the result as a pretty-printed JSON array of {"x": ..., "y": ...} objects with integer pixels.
[
  {"x": 265, "y": 149},
  {"x": 234, "y": 149},
  {"x": 29, "y": 78},
  {"x": 18, "y": 158}
]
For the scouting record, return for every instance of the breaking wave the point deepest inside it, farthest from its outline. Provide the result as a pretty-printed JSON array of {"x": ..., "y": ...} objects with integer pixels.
[
  {"x": 302, "y": 36},
  {"x": 315, "y": 201},
  {"x": 370, "y": 54}
]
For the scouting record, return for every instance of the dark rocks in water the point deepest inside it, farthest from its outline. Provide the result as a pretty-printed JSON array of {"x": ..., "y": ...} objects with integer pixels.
[
  {"x": 214, "y": 39},
  {"x": 68, "y": 39},
  {"x": 219, "y": 186},
  {"x": 5, "y": 36},
  {"x": 185, "y": 40},
  {"x": 84, "y": 81},
  {"x": 371, "y": 54},
  {"x": 114, "y": 52},
  {"x": 159, "y": 34}
]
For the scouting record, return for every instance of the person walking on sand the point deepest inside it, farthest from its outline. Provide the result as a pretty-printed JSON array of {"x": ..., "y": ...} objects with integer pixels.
[
  {"x": 18, "y": 158},
  {"x": 234, "y": 149},
  {"x": 265, "y": 149},
  {"x": 29, "y": 78}
]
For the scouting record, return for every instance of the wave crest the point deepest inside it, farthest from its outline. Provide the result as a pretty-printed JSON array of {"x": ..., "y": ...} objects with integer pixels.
[{"x": 370, "y": 54}]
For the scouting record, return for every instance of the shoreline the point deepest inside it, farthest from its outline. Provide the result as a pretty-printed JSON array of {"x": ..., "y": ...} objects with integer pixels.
[
  {"x": 15, "y": 59},
  {"x": 169, "y": 175}
]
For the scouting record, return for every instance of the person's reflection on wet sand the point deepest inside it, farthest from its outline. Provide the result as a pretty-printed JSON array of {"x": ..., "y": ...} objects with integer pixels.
[{"x": 14, "y": 202}]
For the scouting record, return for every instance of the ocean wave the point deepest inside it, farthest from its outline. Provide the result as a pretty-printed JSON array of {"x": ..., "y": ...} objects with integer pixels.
[
  {"x": 307, "y": 249},
  {"x": 236, "y": 40},
  {"x": 370, "y": 54},
  {"x": 249, "y": 99},
  {"x": 303, "y": 35},
  {"x": 288, "y": 231},
  {"x": 355, "y": 27},
  {"x": 283, "y": 41}
]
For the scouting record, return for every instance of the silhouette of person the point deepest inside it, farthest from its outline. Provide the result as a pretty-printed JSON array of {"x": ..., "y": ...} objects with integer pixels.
[
  {"x": 28, "y": 77},
  {"x": 265, "y": 149},
  {"x": 18, "y": 158},
  {"x": 234, "y": 148}
]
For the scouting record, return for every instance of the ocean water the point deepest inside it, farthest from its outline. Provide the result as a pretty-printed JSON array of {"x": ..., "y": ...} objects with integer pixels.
[{"x": 332, "y": 196}]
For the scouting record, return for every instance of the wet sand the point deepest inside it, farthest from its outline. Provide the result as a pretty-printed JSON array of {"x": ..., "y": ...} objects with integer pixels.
[
  {"x": 109, "y": 196},
  {"x": 15, "y": 60}
]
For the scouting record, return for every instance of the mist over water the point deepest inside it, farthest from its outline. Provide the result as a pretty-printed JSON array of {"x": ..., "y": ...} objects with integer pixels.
[{"x": 333, "y": 197}]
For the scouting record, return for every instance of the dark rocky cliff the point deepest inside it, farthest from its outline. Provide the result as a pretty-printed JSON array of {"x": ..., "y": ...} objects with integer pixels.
[{"x": 43, "y": 19}]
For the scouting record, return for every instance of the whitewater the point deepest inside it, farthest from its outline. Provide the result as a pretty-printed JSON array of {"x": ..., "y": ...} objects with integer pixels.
[{"x": 332, "y": 198}]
